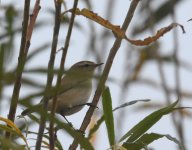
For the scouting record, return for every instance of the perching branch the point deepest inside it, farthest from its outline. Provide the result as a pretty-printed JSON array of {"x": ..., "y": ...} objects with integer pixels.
[
  {"x": 107, "y": 68},
  {"x": 56, "y": 34}
]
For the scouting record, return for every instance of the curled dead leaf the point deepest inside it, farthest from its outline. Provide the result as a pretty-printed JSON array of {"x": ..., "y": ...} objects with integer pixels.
[
  {"x": 159, "y": 33},
  {"x": 118, "y": 32}
]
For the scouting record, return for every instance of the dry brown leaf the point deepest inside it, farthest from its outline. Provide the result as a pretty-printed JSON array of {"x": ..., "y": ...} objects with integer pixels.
[
  {"x": 95, "y": 17},
  {"x": 159, "y": 33},
  {"x": 119, "y": 32}
]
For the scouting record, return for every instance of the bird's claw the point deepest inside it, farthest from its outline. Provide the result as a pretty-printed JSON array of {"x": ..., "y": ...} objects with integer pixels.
[{"x": 92, "y": 105}]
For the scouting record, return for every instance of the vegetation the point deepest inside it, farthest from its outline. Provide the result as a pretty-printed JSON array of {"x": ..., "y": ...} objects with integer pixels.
[{"x": 26, "y": 34}]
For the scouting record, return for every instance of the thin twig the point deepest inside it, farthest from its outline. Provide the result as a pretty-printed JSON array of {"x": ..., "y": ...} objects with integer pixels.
[
  {"x": 48, "y": 86},
  {"x": 58, "y": 84},
  {"x": 25, "y": 44},
  {"x": 55, "y": 37},
  {"x": 20, "y": 67},
  {"x": 71, "y": 23},
  {"x": 105, "y": 73},
  {"x": 33, "y": 18},
  {"x": 50, "y": 76}
]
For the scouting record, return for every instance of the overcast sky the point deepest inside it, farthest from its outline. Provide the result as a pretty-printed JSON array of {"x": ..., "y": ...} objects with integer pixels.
[{"x": 77, "y": 51}]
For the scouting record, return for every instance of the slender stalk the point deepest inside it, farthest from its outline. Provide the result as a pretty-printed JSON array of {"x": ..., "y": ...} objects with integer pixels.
[
  {"x": 20, "y": 66},
  {"x": 25, "y": 44},
  {"x": 33, "y": 18},
  {"x": 50, "y": 77},
  {"x": 71, "y": 23},
  {"x": 55, "y": 36},
  {"x": 105, "y": 73}
]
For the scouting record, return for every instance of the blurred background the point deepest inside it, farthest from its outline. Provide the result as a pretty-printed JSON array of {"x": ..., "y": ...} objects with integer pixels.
[{"x": 160, "y": 71}]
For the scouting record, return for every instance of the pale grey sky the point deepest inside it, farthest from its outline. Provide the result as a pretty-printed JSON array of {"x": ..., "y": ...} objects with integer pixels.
[{"x": 77, "y": 53}]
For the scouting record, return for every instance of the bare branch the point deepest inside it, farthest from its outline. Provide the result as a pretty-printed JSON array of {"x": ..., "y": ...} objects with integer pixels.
[{"x": 20, "y": 66}]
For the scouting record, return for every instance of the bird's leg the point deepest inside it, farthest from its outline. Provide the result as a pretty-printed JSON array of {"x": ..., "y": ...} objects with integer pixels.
[
  {"x": 72, "y": 125},
  {"x": 68, "y": 122},
  {"x": 91, "y": 105}
]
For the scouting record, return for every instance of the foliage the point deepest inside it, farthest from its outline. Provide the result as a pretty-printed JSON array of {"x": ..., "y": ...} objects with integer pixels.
[{"x": 17, "y": 23}]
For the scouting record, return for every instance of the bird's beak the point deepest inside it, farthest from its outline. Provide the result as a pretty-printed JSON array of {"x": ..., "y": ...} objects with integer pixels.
[{"x": 96, "y": 65}]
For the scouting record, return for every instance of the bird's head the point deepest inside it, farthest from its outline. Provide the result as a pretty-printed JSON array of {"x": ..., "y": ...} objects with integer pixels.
[{"x": 84, "y": 69}]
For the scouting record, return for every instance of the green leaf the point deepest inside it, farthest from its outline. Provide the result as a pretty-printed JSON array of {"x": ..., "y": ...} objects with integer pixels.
[
  {"x": 108, "y": 115},
  {"x": 169, "y": 137},
  {"x": 84, "y": 142},
  {"x": 8, "y": 144},
  {"x": 100, "y": 121},
  {"x": 147, "y": 139},
  {"x": 147, "y": 123},
  {"x": 134, "y": 146}
]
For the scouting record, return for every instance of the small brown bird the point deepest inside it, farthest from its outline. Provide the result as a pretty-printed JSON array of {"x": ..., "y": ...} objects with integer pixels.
[{"x": 76, "y": 87}]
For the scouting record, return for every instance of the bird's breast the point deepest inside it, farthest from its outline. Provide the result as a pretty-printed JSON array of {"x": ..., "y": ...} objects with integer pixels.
[{"x": 76, "y": 95}]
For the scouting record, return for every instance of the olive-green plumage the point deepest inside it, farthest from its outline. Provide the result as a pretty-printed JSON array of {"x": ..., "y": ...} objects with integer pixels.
[{"x": 76, "y": 87}]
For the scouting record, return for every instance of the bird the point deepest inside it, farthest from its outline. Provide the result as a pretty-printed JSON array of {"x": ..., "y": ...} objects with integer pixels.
[{"x": 76, "y": 88}]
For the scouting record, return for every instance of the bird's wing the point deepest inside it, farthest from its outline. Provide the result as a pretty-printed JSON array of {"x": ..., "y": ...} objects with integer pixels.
[
  {"x": 66, "y": 85},
  {"x": 70, "y": 85}
]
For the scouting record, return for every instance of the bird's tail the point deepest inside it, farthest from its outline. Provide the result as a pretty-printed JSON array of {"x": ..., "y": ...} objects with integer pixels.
[{"x": 26, "y": 112}]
